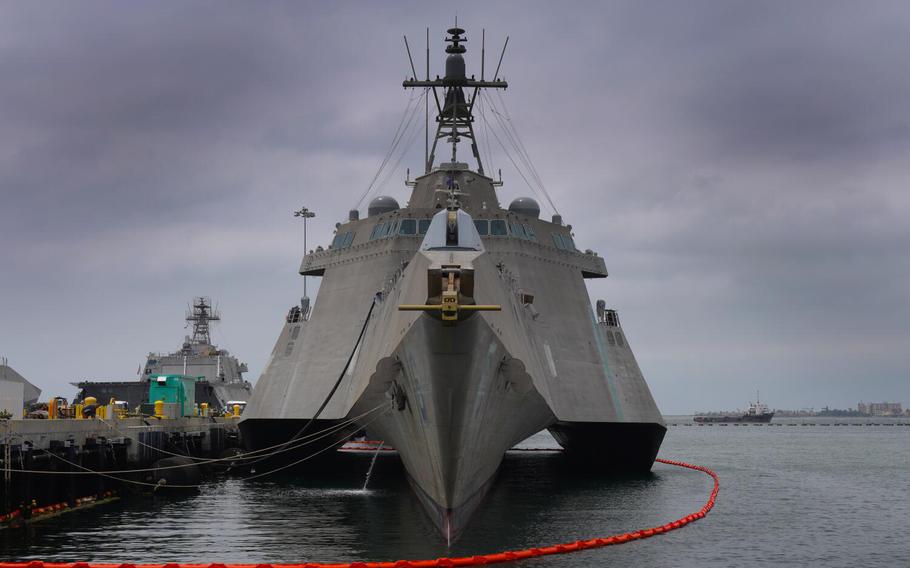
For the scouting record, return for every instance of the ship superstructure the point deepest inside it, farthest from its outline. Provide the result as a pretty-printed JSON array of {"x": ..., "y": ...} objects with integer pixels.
[
  {"x": 218, "y": 374},
  {"x": 199, "y": 357},
  {"x": 455, "y": 328},
  {"x": 758, "y": 412}
]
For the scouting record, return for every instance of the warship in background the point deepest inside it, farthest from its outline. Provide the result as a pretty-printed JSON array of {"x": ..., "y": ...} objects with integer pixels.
[
  {"x": 757, "y": 413},
  {"x": 453, "y": 328},
  {"x": 218, "y": 374}
]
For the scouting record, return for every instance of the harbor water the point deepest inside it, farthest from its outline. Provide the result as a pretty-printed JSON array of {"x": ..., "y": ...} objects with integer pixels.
[{"x": 806, "y": 492}]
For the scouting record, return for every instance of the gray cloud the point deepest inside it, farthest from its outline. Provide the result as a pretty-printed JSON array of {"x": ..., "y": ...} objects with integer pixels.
[{"x": 740, "y": 166}]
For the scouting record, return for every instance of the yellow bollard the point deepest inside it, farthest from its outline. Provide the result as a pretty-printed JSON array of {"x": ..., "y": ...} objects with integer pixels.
[
  {"x": 159, "y": 409},
  {"x": 79, "y": 415},
  {"x": 236, "y": 411},
  {"x": 196, "y": 410},
  {"x": 90, "y": 401},
  {"x": 204, "y": 408},
  {"x": 101, "y": 412}
]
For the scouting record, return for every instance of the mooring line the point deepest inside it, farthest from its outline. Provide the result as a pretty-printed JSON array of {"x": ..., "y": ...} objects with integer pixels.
[
  {"x": 495, "y": 558},
  {"x": 315, "y": 436}
]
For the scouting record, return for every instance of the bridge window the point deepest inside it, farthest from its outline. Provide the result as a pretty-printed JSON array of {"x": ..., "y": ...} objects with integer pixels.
[
  {"x": 564, "y": 242},
  {"x": 343, "y": 240},
  {"x": 423, "y": 226},
  {"x": 529, "y": 232},
  {"x": 498, "y": 228},
  {"x": 407, "y": 227},
  {"x": 517, "y": 231},
  {"x": 483, "y": 227},
  {"x": 377, "y": 231}
]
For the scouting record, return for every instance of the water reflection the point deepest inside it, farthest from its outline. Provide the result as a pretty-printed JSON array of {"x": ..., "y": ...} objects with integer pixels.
[{"x": 539, "y": 498}]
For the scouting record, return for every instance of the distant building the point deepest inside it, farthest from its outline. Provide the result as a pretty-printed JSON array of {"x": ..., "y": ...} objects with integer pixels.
[
  {"x": 15, "y": 392},
  {"x": 880, "y": 408}
]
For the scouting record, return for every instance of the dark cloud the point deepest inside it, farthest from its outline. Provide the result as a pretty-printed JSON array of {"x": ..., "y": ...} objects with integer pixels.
[{"x": 741, "y": 166}]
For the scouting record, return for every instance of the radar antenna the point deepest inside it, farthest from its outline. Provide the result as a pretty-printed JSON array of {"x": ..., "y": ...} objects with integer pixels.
[
  {"x": 200, "y": 314},
  {"x": 455, "y": 118}
]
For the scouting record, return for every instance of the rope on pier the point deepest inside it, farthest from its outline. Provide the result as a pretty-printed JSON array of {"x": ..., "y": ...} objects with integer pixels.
[
  {"x": 299, "y": 443},
  {"x": 159, "y": 485},
  {"x": 495, "y": 558}
]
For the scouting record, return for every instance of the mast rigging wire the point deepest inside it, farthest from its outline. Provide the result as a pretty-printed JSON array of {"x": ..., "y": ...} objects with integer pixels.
[
  {"x": 486, "y": 136},
  {"x": 511, "y": 134},
  {"x": 404, "y": 150},
  {"x": 391, "y": 149},
  {"x": 509, "y": 156},
  {"x": 517, "y": 140},
  {"x": 406, "y": 120}
]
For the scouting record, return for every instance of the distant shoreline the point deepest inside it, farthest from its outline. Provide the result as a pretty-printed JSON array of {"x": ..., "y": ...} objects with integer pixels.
[
  {"x": 779, "y": 417},
  {"x": 799, "y": 414}
]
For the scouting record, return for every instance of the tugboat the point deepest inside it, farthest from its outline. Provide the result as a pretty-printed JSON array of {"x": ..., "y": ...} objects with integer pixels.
[
  {"x": 757, "y": 413},
  {"x": 453, "y": 328}
]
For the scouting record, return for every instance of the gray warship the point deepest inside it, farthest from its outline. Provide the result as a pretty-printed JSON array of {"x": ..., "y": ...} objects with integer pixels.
[
  {"x": 219, "y": 374},
  {"x": 452, "y": 329}
]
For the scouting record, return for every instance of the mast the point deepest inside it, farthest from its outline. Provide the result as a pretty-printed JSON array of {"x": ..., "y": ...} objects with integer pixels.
[
  {"x": 200, "y": 315},
  {"x": 426, "y": 117},
  {"x": 455, "y": 119}
]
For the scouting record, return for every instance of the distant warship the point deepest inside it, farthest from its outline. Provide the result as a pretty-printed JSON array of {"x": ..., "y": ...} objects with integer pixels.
[
  {"x": 219, "y": 374},
  {"x": 452, "y": 329}
]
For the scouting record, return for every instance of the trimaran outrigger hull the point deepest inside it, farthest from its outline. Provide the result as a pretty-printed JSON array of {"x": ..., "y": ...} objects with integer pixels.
[{"x": 480, "y": 333}]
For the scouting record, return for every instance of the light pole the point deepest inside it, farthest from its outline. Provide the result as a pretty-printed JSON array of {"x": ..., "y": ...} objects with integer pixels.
[{"x": 305, "y": 214}]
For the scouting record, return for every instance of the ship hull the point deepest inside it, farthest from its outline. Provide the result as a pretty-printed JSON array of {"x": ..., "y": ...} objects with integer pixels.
[
  {"x": 285, "y": 443},
  {"x": 611, "y": 446},
  {"x": 459, "y": 400},
  {"x": 744, "y": 419}
]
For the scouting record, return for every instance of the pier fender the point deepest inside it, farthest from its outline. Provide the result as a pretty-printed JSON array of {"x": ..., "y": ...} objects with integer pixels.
[
  {"x": 228, "y": 462},
  {"x": 187, "y": 474}
]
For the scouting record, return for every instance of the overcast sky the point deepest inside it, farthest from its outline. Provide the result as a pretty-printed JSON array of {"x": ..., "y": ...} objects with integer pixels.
[{"x": 742, "y": 167}]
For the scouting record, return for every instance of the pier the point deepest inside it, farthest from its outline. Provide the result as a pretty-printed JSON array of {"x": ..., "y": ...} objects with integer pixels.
[{"x": 50, "y": 466}]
